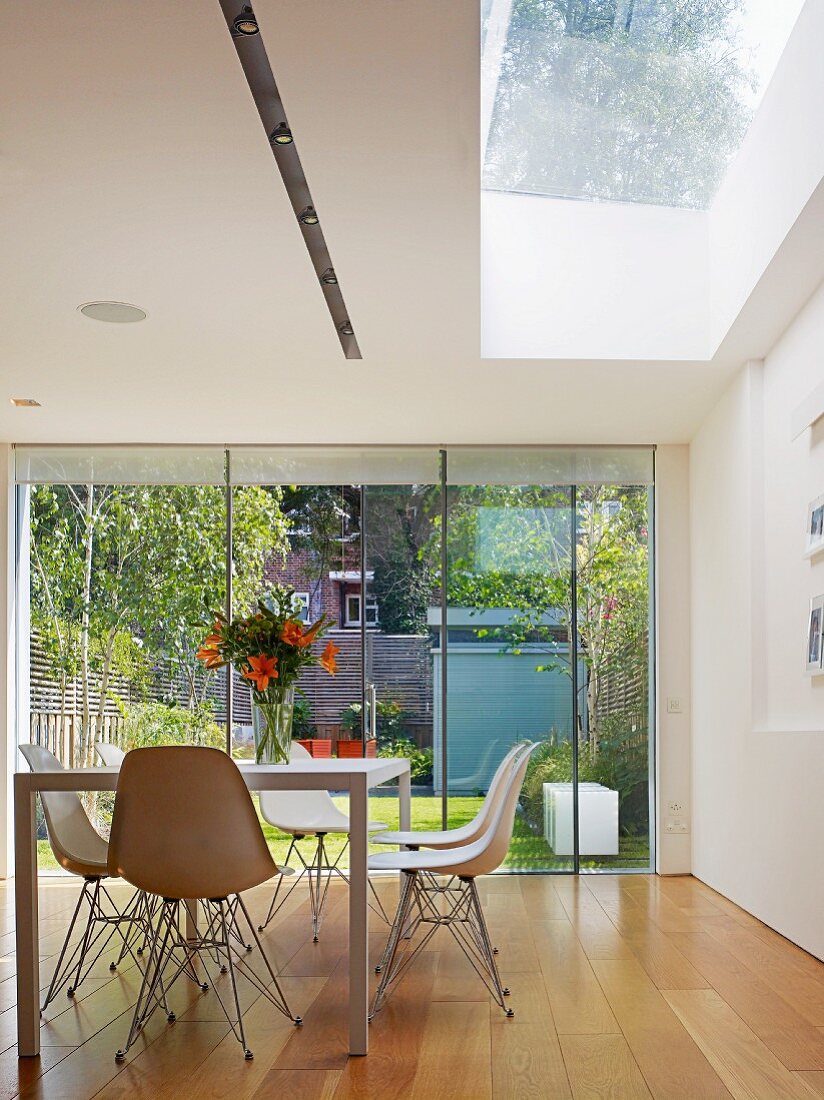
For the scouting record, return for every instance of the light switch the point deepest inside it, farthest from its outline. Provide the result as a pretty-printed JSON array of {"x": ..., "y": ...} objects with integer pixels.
[{"x": 674, "y": 705}]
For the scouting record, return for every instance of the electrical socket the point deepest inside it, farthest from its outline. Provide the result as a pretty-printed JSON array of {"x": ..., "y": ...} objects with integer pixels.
[
  {"x": 677, "y": 825},
  {"x": 675, "y": 809}
]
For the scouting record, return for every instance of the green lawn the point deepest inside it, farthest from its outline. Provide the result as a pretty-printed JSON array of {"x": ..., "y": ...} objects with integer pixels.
[{"x": 528, "y": 851}]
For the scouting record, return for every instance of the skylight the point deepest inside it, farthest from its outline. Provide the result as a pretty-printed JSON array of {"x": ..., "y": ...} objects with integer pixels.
[{"x": 623, "y": 100}]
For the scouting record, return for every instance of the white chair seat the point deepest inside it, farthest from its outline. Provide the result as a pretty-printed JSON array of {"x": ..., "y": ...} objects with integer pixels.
[
  {"x": 449, "y": 838},
  {"x": 450, "y": 861},
  {"x": 311, "y": 826},
  {"x": 464, "y": 834}
]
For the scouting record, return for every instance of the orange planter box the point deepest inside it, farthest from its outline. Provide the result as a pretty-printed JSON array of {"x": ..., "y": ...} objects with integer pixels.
[
  {"x": 349, "y": 750},
  {"x": 317, "y": 747}
]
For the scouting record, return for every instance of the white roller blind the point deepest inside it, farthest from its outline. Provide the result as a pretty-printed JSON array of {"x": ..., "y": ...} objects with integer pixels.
[
  {"x": 120, "y": 465},
  {"x": 334, "y": 466},
  {"x": 550, "y": 466}
]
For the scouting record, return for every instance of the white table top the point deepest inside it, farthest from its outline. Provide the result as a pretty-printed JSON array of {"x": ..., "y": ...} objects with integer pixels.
[{"x": 301, "y": 774}]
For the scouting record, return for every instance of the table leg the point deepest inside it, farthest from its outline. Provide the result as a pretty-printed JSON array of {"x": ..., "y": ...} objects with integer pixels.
[
  {"x": 358, "y": 917},
  {"x": 25, "y": 919},
  {"x": 405, "y": 800},
  {"x": 190, "y": 908}
]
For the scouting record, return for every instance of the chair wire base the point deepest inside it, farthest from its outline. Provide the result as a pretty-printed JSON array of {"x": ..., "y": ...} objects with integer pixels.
[
  {"x": 104, "y": 921},
  {"x": 318, "y": 871},
  {"x": 172, "y": 955},
  {"x": 425, "y": 902}
]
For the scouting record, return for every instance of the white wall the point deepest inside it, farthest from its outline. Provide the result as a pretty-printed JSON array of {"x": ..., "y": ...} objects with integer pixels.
[
  {"x": 672, "y": 582},
  {"x": 8, "y": 743},
  {"x": 584, "y": 280},
  {"x": 758, "y": 720},
  {"x": 773, "y": 176}
]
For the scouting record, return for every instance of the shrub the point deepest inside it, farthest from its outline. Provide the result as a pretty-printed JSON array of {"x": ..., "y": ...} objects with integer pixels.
[
  {"x": 621, "y": 763},
  {"x": 420, "y": 760},
  {"x": 302, "y": 725},
  {"x": 149, "y": 724},
  {"x": 391, "y": 721}
]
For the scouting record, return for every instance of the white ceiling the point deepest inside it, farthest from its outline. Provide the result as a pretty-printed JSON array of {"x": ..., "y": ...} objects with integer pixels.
[{"x": 133, "y": 167}]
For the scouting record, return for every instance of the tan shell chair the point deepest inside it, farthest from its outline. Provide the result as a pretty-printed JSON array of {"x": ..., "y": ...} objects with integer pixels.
[
  {"x": 168, "y": 840},
  {"x": 313, "y": 814},
  {"x": 79, "y": 848},
  {"x": 460, "y": 909}
]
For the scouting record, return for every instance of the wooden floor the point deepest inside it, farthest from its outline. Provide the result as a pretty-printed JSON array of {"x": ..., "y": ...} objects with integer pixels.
[{"x": 623, "y": 986}]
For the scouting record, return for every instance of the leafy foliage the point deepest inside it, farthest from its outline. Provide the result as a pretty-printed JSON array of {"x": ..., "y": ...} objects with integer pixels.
[
  {"x": 303, "y": 728},
  {"x": 391, "y": 721},
  {"x": 641, "y": 100},
  {"x": 400, "y": 526},
  {"x": 421, "y": 761},
  {"x": 621, "y": 763},
  {"x": 122, "y": 577},
  {"x": 150, "y": 724},
  {"x": 510, "y": 547}
]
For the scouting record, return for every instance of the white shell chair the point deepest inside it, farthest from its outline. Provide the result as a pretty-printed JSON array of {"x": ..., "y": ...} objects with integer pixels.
[
  {"x": 79, "y": 848},
  {"x": 453, "y": 838},
  {"x": 111, "y": 755},
  {"x": 464, "y": 834},
  {"x": 313, "y": 814},
  {"x": 462, "y": 913}
]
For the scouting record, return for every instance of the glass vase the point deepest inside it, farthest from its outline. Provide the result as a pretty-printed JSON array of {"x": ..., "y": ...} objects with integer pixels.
[{"x": 272, "y": 727}]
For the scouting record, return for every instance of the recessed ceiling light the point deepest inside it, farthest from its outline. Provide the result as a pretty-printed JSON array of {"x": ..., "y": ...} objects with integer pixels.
[
  {"x": 307, "y": 216},
  {"x": 281, "y": 135},
  {"x": 25, "y": 402},
  {"x": 245, "y": 23},
  {"x": 119, "y": 313},
  {"x": 345, "y": 329},
  {"x": 329, "y": 277}
]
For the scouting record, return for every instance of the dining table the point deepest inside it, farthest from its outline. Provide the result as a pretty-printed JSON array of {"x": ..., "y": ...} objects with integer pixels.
[{"x": 355, "y": 777}]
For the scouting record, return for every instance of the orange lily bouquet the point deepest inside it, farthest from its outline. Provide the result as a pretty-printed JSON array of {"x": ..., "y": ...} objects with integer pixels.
[{"x": 269, "y": 648}]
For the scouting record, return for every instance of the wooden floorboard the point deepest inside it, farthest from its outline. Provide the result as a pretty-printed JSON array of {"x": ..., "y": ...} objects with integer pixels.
[{"x": 622, "y": 987}]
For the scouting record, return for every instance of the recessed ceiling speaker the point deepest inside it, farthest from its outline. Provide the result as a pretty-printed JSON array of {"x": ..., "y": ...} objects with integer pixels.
[{"x": 117, "y": 313}]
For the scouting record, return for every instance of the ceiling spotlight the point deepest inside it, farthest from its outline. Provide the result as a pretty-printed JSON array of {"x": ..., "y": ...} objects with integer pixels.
[
  {"x": 245, "y": 24},
  {"x": 281, "y": 135},
  {"x": 119, "y": 313},
  {"x": 329, "y": 278},
  {"x": 307, "y": 216},
  {"x": 345, "y": 329},
  {"x": 25, "y": 402}
]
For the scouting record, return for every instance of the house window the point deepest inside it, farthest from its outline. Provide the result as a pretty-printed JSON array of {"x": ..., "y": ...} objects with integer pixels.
[
  {"x": 353, "y": 610},
  {"x": 300, "y": 606}
]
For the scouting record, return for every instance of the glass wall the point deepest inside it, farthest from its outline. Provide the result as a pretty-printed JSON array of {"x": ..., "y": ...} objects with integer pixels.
[{"x": 478, "y": 597}]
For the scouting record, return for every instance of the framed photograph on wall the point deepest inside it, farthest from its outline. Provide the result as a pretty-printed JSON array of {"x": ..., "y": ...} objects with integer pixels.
[
  {"x": 815, "y": 636},
  {"x": 815, "y": 528}
]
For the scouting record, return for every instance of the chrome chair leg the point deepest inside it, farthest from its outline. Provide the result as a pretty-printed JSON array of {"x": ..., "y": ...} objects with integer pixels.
[{"x": 458, "y": 908}]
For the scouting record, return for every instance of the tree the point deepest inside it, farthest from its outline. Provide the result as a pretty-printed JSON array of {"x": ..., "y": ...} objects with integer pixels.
[
  {"x": 398, "y": 529},
  {"x": 641, "y": 100},
  {"x": 510, "y": 547},
  {"x": 124, "y": 577}
]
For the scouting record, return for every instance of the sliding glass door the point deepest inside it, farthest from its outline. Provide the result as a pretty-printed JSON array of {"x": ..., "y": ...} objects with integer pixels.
[{"x": 478, "y": 598}]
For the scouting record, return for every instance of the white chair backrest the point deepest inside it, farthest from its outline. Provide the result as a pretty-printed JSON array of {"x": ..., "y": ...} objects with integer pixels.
[
  {"x": 72, "y": 836},
  {"x": 487, "y": 853},
  {"x": 111, "y": 755},
  {"x": 497, "y": 789},
  {"x": 290, "y": 810}
]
